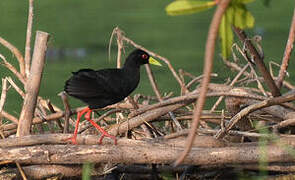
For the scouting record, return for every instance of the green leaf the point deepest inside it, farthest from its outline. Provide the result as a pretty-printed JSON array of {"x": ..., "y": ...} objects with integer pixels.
[
  {"x": 241, "y": 1},
  {"x": 242, "y": 17},
  {"x": 182, "y": 7},
  {"x": 237, "y": 15},
  {"x": 226, "y": 34}
]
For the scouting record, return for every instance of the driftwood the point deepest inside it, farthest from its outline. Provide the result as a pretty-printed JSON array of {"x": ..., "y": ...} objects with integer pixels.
[{"x": 134, "y": 151}]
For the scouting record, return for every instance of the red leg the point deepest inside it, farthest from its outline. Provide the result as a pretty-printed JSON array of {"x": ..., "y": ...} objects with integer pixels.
[
  {"x": 79, "y": 115},
  {"x": 103, "y": 132}
]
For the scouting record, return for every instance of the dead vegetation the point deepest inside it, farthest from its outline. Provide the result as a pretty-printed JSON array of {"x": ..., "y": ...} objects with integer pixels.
[{"x": 254, "y": 132}]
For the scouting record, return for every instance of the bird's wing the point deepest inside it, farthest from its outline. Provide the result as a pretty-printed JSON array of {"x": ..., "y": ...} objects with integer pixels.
[
  {"x": 83, "y": 83},
  {"x": 112, "y": 80},
  {"x": 96, "y": 88}
]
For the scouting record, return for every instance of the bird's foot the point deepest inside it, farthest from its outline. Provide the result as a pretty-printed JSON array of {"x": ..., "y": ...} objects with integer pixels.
[
  {"x": 73, "y": 139},
  {"x": 103, "y": 134},
  {"x": 101, "y": 130}
]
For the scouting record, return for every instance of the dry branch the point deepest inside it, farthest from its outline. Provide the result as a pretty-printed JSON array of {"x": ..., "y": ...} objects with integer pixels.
[
  {"x": 208, "y": 64},
  {"x": 31, "y": 140},
  {"x": 259, "y": 61},
  {"x": 12, "y": 69},
  {"x": 9, "y": 117},
  {"x": 145, "y": 117},
  {"x": 67, "y": 108},
  {"x": 3, "y": 96},
  {"x": 122, "y": 37},
  {"x": 17, "y": 54},
  {"x": 28, "y": 38},
  {"x": 33, "y": 84},
  {"x": 287, "y": 54},
  {"x": 45, "y": 171},
  {"x": 194, "y": 96},
  {"x": 158, "y": 94},
  {"x": 24, "y": 177},
  {"x": 231, "y": 85},
  {"x": 251, "y": 108},
  {"x": 17, "y": 89},
  {"x": 142, "y": 152}
]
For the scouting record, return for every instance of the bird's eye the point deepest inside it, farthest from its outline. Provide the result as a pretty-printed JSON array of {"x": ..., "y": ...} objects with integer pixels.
[{"x": 144, "y": 56}]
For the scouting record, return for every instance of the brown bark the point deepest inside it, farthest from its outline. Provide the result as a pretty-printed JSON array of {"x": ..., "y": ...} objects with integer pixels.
[
  {"x": 259, "y": 61},
  {"x": 33, "y": 84},
  {"x": 28, "y": 39},
  {"x": 252, "y": 108},
  {"x": 141, "y": 152},
  {"x": 287, "y": 53}
]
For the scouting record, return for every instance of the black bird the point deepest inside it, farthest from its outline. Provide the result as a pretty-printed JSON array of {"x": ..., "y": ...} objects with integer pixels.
[{"x": 105, "y": 87}]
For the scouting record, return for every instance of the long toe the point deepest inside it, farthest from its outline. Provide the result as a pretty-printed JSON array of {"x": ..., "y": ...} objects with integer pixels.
[
  {"x": 72, "y": 139},
  {"x": 108, "y": 135}
]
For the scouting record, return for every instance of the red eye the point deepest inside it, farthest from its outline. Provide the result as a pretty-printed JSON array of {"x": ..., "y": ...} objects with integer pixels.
[{"x": 144, "y": 56}]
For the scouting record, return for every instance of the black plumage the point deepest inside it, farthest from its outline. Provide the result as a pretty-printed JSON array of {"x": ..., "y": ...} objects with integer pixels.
[{"x": 107, "y": 86}]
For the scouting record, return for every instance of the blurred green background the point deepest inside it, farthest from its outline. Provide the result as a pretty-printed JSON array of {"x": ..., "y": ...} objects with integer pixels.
[{"x": 80, "y": 33}]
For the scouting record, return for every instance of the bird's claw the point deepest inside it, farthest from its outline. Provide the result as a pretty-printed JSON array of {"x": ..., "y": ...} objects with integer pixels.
[
  {"x": 72, "y": 139},
  {"x": 108, "y": 135}
]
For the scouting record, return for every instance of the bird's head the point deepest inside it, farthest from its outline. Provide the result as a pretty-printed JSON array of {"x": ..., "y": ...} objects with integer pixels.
[{"x": 140, "y": 57}]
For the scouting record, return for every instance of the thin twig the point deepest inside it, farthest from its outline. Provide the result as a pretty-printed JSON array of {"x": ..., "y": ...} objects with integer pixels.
[
  {"x": 191, "y": 97},
  {"x": 120, "y": 45},
  {"x": 3, "y": 93},
  {"x": 244, "y": 112},
  {"x": 17, "y": 89},
  {"x": 182, "y": 85},
  {"x": 238, "y": 133},
  {"x": 287, "y": 54},
  {"x": 67, "y": 111},
  {"x": 158, "y": 94},
  {"x": 208, "y": 64},
  {"x": 3, "y": 96},
  {"x": 231, "y": 85},
  {"x": 235, "y": 67},
  {"x": 12, "y": 69},
  {"x": 144, "y": 126},
  {"x": 153, "y": 82},
  {"x": 24, "y": 177},
  {"x": 196, "y": 79},
  {"x": 28, "y": 38},
  {"x": 142, "y": 118},
  {"x": 52, "y": 110},
  {"x": 17, "y": 54},
  {"x": 259, "y": 61},
  {"x": 259, "y": 84},
  {"x": 9, "y": 116}
]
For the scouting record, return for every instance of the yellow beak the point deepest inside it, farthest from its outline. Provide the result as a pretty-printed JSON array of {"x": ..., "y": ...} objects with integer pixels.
[{"x": 154, "y": 62}]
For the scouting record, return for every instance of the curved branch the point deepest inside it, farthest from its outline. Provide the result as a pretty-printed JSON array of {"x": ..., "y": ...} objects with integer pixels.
[
  {"x": 208, "y": 64},
  {"x": 287, "y": 54},
  {"x": 17, "y": 54},
  {"x": 252, "y": 108},
  {"x": 12, "y": 69}
]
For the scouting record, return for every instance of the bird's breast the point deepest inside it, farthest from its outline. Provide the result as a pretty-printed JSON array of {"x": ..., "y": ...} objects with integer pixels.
[{"x": 130, "y": 81}]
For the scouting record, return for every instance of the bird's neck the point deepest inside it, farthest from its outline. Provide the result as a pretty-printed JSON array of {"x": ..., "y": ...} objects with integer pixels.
[
  {"x": 130, "y": 63},
  {"x": 131, "y": 77},
  {"x": 131, "y": 70}
]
